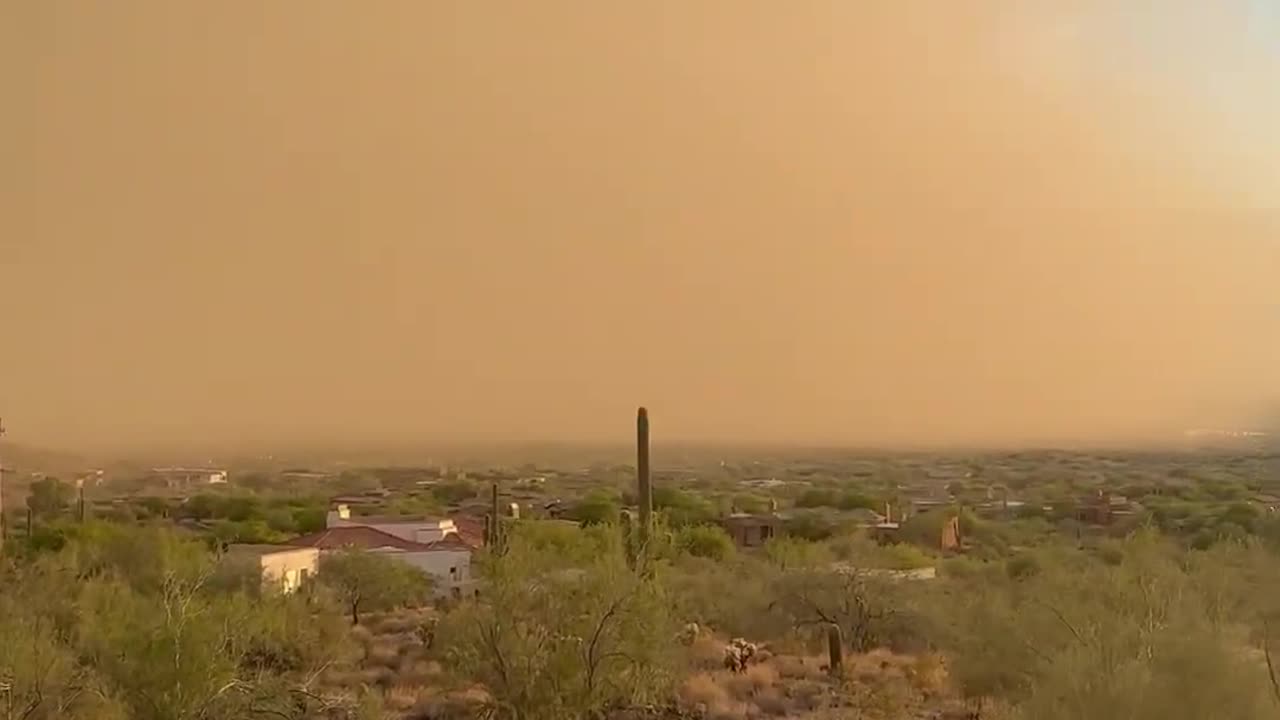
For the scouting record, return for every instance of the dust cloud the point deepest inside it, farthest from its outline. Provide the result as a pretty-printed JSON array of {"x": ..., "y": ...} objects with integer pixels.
[{"x": 801, "y": 222}]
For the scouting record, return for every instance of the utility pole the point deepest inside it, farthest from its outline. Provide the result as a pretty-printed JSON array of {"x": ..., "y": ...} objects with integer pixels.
[{"x": 3, "y": 524}]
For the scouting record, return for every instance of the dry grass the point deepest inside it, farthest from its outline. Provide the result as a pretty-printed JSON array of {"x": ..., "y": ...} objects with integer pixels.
[
  {"x": 808, "y": 695},
  {"x": 703, "y": 691},
  {"x": 762, "y": 676},
  {"x": 399, "y": 621},
  {"x": 361, "y": 634},
  {"x": 731, "y": 711},
  {"x": 798, "y": 667},
  {"x": 344, "y": 679},
  {"x": 383, "y": 653},
  {"x": 773, "y": 703},
  {"x": 751, "y": 683},
  {"x": 376, "y": 677},
  {"x": 402, "y": 697},
  {"x": 413, "y": 671},
  {"x": 706, "y": 652},
  {"x": 878, "y": 685},
  {"x": 928, "y": 674},
  {"x": 394, "y": 665}
]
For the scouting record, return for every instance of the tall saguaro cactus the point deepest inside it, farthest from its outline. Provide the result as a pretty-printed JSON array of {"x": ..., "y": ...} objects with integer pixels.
[
  {"x": 644, "y": 487},
  {"x": 493, "y": 530},
  {"x": 835, "y": 650},
  {"x": 629, "y": 539}
]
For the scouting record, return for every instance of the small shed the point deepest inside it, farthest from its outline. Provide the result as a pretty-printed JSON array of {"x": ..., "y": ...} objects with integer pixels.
[{"x": 752, "y": 530}]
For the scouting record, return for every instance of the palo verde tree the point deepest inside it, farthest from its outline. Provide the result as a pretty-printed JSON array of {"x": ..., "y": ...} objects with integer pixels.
[
  {"x": 1148, "y": 635},
  {"x": 365, "y": 581},
  {"x": 556, "y": 639},
  {"x": 125, "y": 622},
  {"x": 48, "y": 497}
]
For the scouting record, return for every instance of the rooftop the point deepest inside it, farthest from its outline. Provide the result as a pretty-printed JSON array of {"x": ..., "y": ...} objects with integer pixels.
[
  {"x": 362, "y": 537},
  {"x": 470, "y": 529},
  {"x": 260, "y": 548},
  {"x": 452, "y": 541},
  {"x": 355, "y": 536},
  {"x": 396, "y": 520},
  {"x": 752, "y": 519}
]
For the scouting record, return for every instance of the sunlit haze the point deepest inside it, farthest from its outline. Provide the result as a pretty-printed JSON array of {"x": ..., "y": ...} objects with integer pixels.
[{"x": 788, "y": 222}]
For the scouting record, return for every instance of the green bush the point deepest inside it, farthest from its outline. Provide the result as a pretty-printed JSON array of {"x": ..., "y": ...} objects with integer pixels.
[{"x": 705, "y": 541}]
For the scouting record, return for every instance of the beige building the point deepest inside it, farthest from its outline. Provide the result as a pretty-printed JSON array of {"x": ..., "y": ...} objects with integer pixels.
[
  {"x": 749, "y": 530},
  {"x": 413, "y": 529},
  {"x": 182, "y": 478},
  {"x": 437, "y": 546},
  {"x": 284, "y": 567},
  {"x": 447, "y": 561}
]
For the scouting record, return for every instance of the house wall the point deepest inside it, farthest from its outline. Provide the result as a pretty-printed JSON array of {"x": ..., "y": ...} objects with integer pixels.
[
  {"x": 431, "y": 533},
  {"x": 751, "y": 534},
  {"x": 419, "y": 532},
  {"x": 289, "y": 569},
  {"x": 448, "y": 568}
]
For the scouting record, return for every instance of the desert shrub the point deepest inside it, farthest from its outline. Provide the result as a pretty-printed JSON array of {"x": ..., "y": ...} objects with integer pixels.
[
  {"x": 585, "y": 638},
  {"x": 705, "y": 541}
]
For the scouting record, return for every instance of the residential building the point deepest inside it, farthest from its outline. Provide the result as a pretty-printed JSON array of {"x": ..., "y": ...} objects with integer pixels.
[
  {"x": 950, "y": 540},
  {"x": 303, "y": 475},
  {"x": 414, "y": 529},
  {"x": 885, "y": 533},
  {"x": 180, "y": 477},
  {"x": 1102, "y": 508},
  {"x": 470, "y": 529},
  {"x": 283, "y": 567},
  {"x": 752, "y": 530},
  {"x": 447, "y": 559}
]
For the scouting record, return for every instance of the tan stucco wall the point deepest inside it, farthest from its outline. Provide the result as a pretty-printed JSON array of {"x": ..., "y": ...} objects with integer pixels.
[{"x": 286, "y": 569}]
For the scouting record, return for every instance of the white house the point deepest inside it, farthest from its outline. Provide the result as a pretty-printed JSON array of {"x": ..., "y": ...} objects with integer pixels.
[
  {"x": 414, "y": 529},
  {"x": 183, "y": 477},
  {"x": 447, "y": 558},
  {"x": 283, "y": 567}
]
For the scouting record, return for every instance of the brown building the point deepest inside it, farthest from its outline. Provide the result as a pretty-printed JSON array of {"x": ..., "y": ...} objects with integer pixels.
[
  {"x": 749, "y": 530},
  {"x": 950, "y": 540},
  {"x": 1102, "y": 509}
]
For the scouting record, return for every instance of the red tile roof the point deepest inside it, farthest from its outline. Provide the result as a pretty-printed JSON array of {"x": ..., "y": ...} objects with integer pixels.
[
  {"x": 393, "y": 520},
  {"x": 470, "y": 529},
  {"x": 452, "y": 541},
  {"x": 355, "y": 536}
]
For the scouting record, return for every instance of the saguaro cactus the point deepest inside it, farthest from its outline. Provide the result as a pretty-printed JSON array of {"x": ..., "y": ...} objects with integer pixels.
[
  {"x": 494, "y": 536},
  {"x": 628, "y": 538},
  {"x": 644, "y": 487},
  {"x": 835, "y": 649}
]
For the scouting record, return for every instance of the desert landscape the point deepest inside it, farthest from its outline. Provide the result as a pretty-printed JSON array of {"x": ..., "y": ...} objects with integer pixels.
[{"x": 675, "y": 359}]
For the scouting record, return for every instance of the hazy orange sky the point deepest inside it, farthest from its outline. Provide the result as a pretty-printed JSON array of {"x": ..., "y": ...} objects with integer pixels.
[{"x": 838, "y": 222}]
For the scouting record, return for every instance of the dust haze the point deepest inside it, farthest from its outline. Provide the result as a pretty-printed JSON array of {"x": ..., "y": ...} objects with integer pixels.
[{"x": 808, "y": 222}]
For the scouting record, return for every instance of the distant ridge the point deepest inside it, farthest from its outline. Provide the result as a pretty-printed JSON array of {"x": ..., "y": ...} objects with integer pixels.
[{"x": 21, "y": 458}]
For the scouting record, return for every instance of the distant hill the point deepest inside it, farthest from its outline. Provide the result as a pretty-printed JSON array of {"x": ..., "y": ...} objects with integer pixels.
[{"x": 19, "y": 459}]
